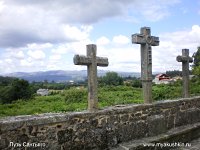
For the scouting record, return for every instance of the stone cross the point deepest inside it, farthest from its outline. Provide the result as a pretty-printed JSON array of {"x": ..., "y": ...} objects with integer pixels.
[
  {"x": 185, "y": 59},
  {"x": 146, "y": 41},
  {"x": 91, "y": 61}
]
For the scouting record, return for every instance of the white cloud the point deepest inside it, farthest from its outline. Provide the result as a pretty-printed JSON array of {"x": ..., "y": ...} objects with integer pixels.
[
  {"x": 46, "y": 25},
  {"x": 38, "y": 55},
  {"x": 79, "y": 47},
  {"x": 76, "y": 34},
  {"x": 154, "y": 15},
  {"x": 2, "y": 6},
  {"x": 171, "y": 45},
  {"x": 36, "y": 46},
  {"x": 121, "y": 39},
  {"x": 127, "y": 57},
  {"x": 53, "y": 22},
  {"x": 185, "y": 38},
  {"x": 46, "y": 34},
  {"x": 153, "y": 10},
  {"x": 26, "y": 63},
  {"x": 122, "y": 57},
  {"x": 13, "y": 53},
  {"x": 52, "y": 67},
  {"x": 61, "y": 49},
  {"x": 55, "y": 57},
  {"x": 195, "y": 33},
  {"x": 9, "y": 61},
  {"x": 102, "y": 41},
  {"x": 20, "y": 55}
]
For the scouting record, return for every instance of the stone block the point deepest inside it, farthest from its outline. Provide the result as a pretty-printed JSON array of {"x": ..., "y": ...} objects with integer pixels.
[
  {"x": 3, "y": 143},
  {"x": 156, "y": 125},
  {"x": 65, "y": 136}
]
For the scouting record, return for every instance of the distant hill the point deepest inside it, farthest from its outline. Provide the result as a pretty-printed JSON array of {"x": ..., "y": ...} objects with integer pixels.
[{"x": 61, "y": 75}]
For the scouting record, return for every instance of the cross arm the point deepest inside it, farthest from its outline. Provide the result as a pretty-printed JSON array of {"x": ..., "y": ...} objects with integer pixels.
[
  {"x": 102, "y": 61},
  {"x": 84, "y": 60},
  {"x": 184, "y": 59},
  {"x": 81, "y": 60},
  {"x": 142, "y": 39},
  {"x": 153, "y": 40},
  {"x": 138, "y": 39}
]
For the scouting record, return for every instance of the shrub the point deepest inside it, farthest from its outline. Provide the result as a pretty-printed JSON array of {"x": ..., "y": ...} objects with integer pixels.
[
  {"x": 6, "y": 94},
  {"x": 111, "y": 78},
  {"x": 17, "y": 89},
  {"x": 162, "y": 92},
  {"x": 75, "y": 95}
]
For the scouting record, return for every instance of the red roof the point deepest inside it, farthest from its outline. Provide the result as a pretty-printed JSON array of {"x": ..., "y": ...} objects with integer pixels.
[{"x": 162, "y": 76}]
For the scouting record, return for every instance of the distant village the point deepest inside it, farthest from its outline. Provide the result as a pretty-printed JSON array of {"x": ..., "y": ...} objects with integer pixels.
[
  {"x": 165, "y": 79},
  {"x": 161, "y": 78}
]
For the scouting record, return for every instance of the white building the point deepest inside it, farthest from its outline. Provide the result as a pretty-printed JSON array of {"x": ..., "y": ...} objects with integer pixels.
[
  {"x": 43, "y": 92},
  {"x": 162, "y": 79}
]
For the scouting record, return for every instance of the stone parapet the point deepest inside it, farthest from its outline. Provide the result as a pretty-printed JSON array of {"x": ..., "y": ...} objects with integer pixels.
[{"x": 97, "y": 130}]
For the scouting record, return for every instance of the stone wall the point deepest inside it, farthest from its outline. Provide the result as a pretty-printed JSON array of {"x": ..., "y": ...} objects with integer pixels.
[{"x": 100, "y": 130}]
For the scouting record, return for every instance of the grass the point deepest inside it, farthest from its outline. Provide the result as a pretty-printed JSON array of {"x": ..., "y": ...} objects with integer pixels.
[
  {"x": 33, "y": 106},
  {"x": 38, "y": 105},
  {"x": 107, "y": 96}
]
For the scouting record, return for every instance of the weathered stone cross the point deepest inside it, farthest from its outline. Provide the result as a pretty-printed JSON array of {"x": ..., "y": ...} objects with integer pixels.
[
  {"x": 185, "y": 59},
  {"x": 146, "y": 41},
  {"x": 91, "y": 61}
]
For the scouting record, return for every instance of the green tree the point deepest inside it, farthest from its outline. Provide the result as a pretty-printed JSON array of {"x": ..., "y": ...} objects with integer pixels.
[
  {"x": 5, "y": 81},
  {"x": 173, "y": 73},
  {"x": 18, "y": 89},
  {"x": 137, "y": 83},
  {"x": 21, "y": 89},
  {"x": 111, "y": 78},
  {"x": 196, "y": 57},
  {"x": 196, "y": 64},
  {"x": 6, "y": 94}
]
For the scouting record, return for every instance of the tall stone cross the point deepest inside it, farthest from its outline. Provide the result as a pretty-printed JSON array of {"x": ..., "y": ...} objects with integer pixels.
[
  {"x": 146, "y": 41},
  {"x": 185, "y": 59},
  {"x": 91, "y": 61}
]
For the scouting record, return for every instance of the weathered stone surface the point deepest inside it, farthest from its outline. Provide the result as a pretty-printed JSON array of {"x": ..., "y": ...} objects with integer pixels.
[
  {"x": 99, "y": 130},
  {"x": 65, "y": 136},
  {"x": 185, "y": 59},
  {"x": 146, "y": 41},
  {"x": 179, "y": 138},
  {"x": 91, "y": 61},
  {"x": 156, "y": 125}
]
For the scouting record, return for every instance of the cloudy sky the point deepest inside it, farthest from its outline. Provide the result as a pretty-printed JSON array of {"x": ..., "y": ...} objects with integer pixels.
[{"x": 41, "y": 35}]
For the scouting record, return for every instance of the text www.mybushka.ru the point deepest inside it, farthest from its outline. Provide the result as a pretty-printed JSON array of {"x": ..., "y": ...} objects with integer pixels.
[{"x": 162, "y": 145}]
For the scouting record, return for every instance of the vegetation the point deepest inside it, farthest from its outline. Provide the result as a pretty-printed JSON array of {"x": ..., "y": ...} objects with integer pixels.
[
  {"x": 196, "y": 64},
  {"x": 169, "y": 91},
  {"x": 113, "y": 95},
  {"x": 111, "y": 78},
  {"x": 13, "y": 89},
  {"x": 174, "y": 73},
  {"x": 74, "y": 98},
  {"x": 133, "y": 81},
  {"x": 74, "y": 95}
]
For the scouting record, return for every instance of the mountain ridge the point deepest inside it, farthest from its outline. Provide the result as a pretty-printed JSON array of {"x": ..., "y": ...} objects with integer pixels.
[{"x": 62, "y": 75}]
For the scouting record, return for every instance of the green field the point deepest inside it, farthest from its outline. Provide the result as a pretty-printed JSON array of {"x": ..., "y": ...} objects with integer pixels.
[
  {"x": 74, "y": 102},
  {"x": 75, "y": 99}
]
